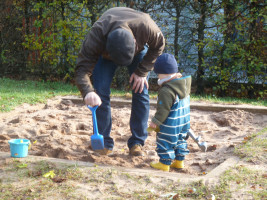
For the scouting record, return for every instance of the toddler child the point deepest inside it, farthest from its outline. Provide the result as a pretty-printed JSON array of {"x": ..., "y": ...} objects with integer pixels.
[{"x": 172, "y": 118}]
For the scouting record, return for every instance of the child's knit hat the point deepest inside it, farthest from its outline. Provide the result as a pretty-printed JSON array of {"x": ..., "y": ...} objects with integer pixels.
[{"x": 165, "y": 64}]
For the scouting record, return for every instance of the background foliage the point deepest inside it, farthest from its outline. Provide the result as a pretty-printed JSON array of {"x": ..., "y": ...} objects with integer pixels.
[{"x": 221, "y": 43}]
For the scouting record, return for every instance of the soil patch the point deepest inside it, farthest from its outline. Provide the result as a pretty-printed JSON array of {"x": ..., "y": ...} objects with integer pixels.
[{"x": 63, "y": 129}]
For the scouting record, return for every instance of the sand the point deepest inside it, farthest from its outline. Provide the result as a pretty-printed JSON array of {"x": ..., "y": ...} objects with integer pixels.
[{"x": 62, "y": 129}]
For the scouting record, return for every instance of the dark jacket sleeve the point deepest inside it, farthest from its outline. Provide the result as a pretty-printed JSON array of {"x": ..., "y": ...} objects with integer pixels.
[
  {"x": 156, "y": 44},
  {"x": 91, "y": 49}
]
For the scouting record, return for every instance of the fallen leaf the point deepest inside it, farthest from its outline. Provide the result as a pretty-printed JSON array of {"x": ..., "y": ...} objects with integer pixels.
[
  {"x": 58, "y": 179},
  {"x": 192, "y": 190},
  {"x": 22, "y": 165},
  {"x": 150, "y": 129},
  {"x": 50, "y": 174},
  {"x": 35, "y": 173},
  {"x": 212, "y": 147},
  {"x": 176, "y": 197},
  {"x": 247, "y": 138},
  {"x": 31, "y": 190}
]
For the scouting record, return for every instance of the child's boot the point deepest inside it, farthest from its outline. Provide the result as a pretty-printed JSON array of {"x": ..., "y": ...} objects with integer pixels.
[
  {"x": 178, "y": 164},
  {"x": 160, "y": 166}
]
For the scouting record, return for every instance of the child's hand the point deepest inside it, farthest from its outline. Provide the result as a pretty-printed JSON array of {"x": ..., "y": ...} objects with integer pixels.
[
  {"x": 152, "y": 127},
  {"x": 179, "y": 75}
]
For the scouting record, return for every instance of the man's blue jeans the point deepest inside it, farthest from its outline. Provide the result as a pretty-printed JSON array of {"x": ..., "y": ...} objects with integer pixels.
[{"x": 102, "y": 78}]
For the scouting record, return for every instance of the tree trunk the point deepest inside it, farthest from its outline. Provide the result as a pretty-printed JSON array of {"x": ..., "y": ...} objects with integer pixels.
[
  {"x": 176, "y": 31},
  {"x": 229, "y": 13},
  {"x": 65, "y": 45},
  {"x": 27, "y": 32},
  {"x": 200, "y": 41}
]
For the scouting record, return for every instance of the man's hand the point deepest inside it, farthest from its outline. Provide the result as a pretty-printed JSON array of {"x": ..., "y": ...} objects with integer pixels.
[
  {"x": 138, "y": 82},
  {"x": 92, "y": 99}
]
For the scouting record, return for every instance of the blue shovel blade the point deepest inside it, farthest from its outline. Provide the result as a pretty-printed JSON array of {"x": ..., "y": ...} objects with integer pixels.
[{"x": 97, "y": 142}]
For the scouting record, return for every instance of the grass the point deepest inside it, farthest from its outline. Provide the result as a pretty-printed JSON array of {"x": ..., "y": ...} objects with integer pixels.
[
  {"x": 81, "y": 182},
  {"x": 14, "y": 93},
  {"x": 206, "y": 98},
  {"x": 28, "y": 182},
  {"x": 253, "y": 149},
  {"x": 246, "y": 181},
  {"x": 239, "y": 180},
  {"x": 229, "y": 100}
]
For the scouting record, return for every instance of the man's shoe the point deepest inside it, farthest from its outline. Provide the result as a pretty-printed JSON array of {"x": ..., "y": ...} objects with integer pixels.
[
  {"x": 178, "y": 164},
  {"x": 160, "y": 166},
  {"x": 136, "y": 150},
  {"x": 104, "y": 151}
]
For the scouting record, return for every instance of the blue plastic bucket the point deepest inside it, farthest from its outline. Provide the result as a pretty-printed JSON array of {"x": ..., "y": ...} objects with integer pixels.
[{"x": 19, "y": 147}]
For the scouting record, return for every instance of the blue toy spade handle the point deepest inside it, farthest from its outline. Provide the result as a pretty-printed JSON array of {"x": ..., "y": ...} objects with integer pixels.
[{"x": 93, "y": 109}]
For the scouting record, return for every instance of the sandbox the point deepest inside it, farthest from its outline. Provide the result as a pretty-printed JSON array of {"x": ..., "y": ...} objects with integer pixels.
[{"x": 62, "y": 129}]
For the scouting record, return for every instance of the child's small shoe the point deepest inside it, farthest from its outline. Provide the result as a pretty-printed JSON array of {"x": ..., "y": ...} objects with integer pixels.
[
  {"x": 178, "y": 164},
  {"x": 160, "y": 166}
]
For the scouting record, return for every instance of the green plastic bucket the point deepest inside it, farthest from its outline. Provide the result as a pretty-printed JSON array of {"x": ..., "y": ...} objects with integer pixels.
[{"x": 19, "y": 147}]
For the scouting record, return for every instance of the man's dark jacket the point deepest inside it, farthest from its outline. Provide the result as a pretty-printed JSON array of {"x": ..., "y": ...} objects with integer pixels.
[{"x": 140, "y": 24}]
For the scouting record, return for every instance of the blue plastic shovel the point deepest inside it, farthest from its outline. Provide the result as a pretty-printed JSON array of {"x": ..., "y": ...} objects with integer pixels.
[{"x": 97, "y": 140}]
